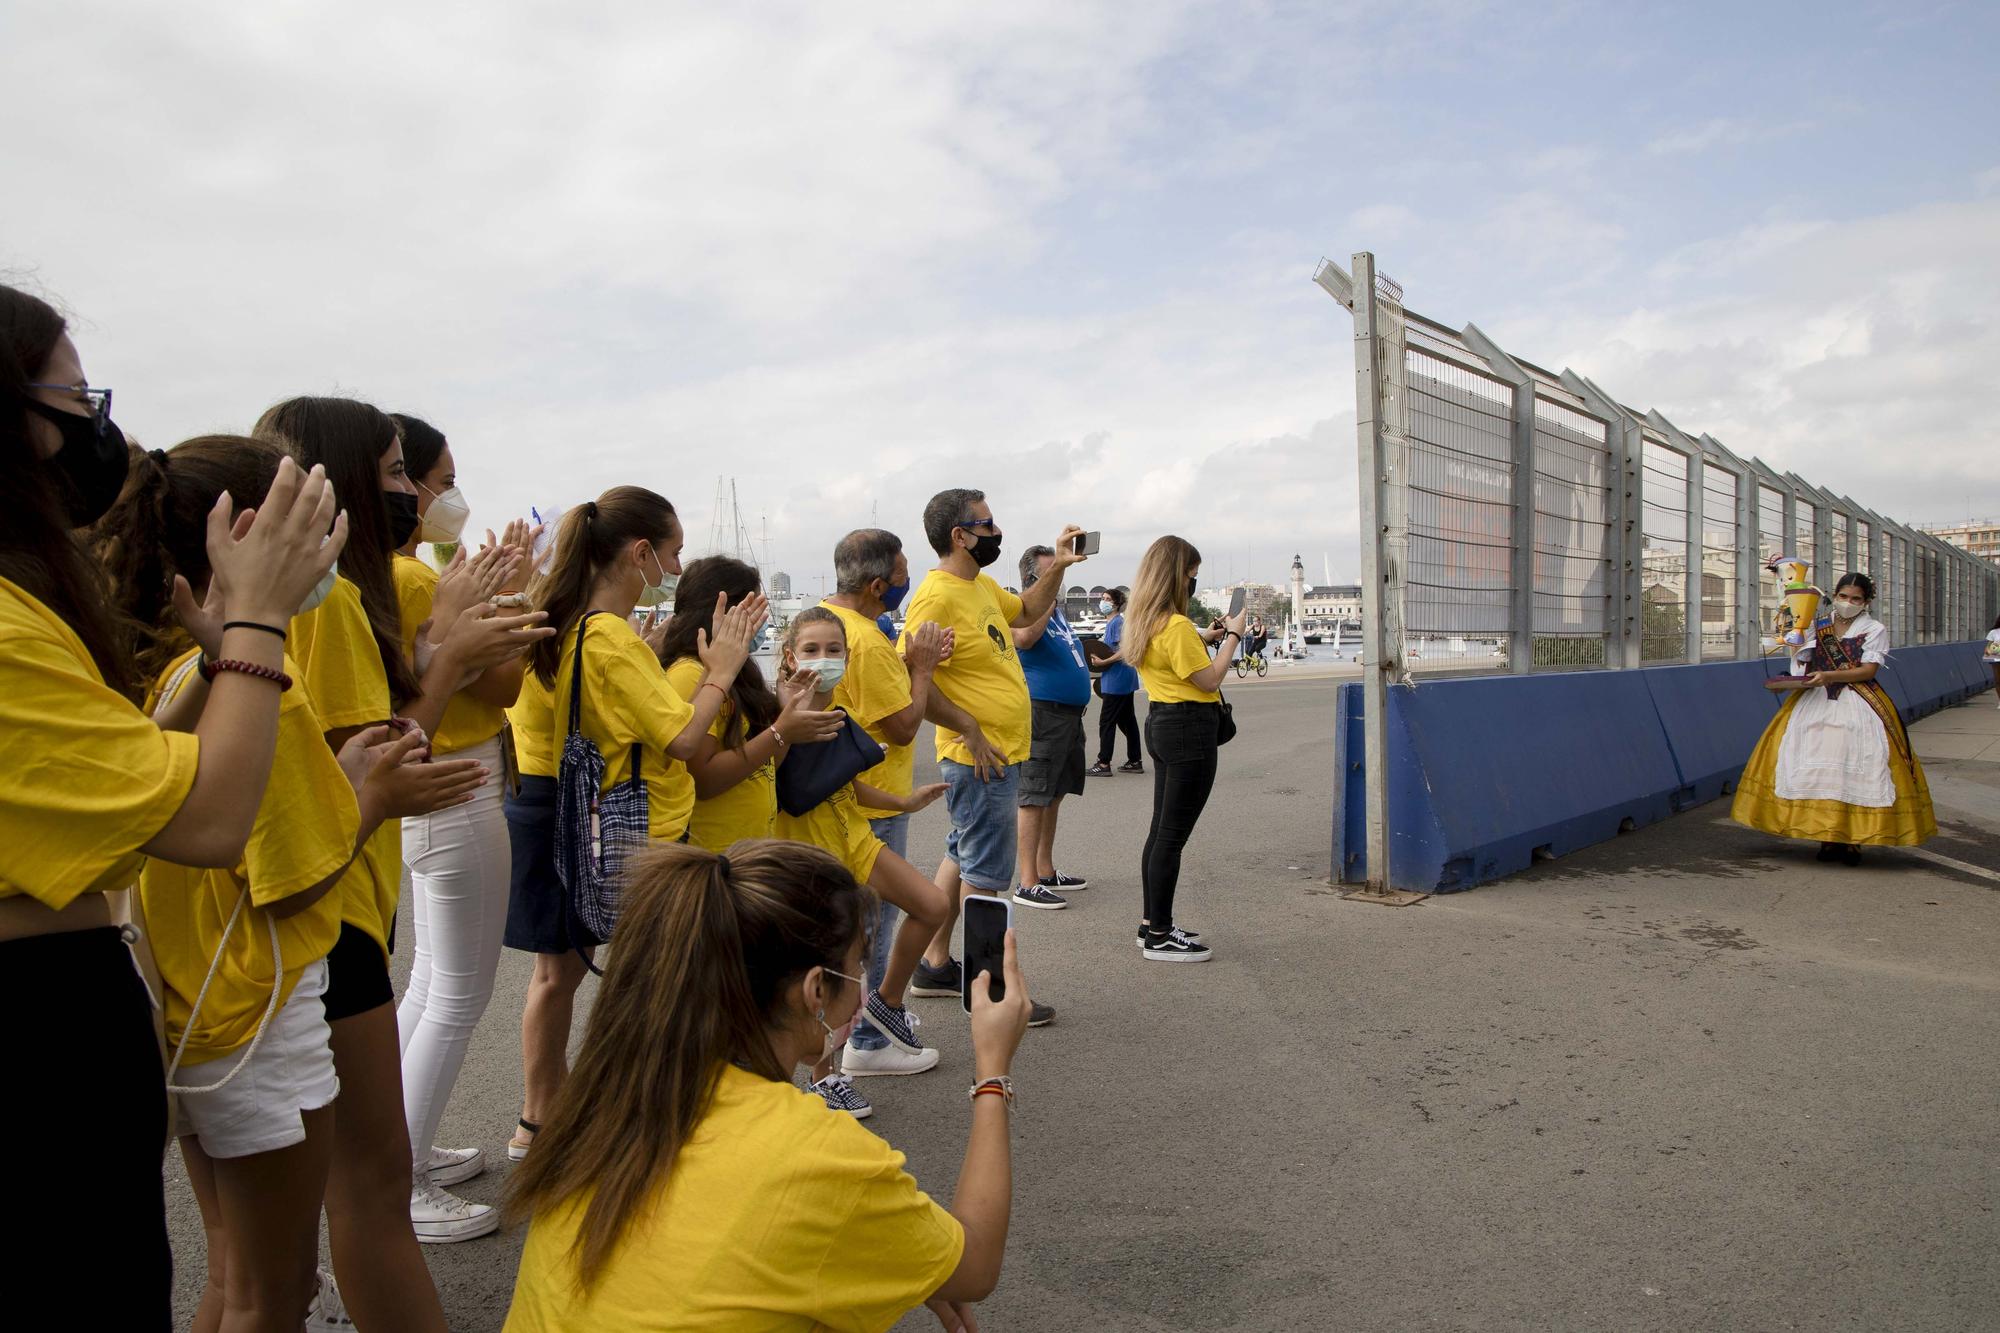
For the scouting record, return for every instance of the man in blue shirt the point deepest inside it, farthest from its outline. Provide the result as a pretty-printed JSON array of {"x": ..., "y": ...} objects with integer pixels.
[{"x": 1059, "y": 689}]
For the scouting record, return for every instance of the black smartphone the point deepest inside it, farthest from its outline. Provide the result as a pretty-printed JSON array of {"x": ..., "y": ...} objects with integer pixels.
[
  {"x": 1236, "y": 603},
  {"x": 1086, "y": 543},
  {"x": 985, "y": 949}
]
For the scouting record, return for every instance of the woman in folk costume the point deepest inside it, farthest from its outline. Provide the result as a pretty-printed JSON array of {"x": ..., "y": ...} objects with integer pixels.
[{"x": 1835, "y": 764}]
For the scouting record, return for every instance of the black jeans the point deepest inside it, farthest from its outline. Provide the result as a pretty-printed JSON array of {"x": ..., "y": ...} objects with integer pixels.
[
  {"x": 1116, "y": 713},
  {"x": 86, "y": 1073},
  {"x": 1181, "y": 738}
]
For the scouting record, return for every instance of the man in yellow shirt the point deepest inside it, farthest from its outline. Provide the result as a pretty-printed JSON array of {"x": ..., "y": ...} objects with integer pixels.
[{"x": 979, "y": 701}]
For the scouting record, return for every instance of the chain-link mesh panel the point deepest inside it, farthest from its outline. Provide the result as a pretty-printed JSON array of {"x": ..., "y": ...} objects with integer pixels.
[
  {"x": 1461, "y": 490},
  {"x": 1573, "y": 540}
]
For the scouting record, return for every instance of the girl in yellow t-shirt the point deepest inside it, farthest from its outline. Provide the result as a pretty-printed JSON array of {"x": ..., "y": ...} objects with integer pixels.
[
  {"x": 93, "y": 786},
  {"x": 458, "y": 860},
  {"x": 735, "y": 769},
  {"x": 816, "y": 645},
  {"x": 619, "y": 551},
  {"x": 241, "y": 952},
  {"x": 359, "y": 675},
  {"x": 1182, "y": 727},
  {"x": 683, "y": 1183}
]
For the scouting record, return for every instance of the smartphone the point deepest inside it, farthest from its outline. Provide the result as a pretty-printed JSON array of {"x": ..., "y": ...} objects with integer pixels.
[
  {"x": 987, "y": 921},
  {"x": 1086, "y": 543},
  {"x": 1236, "y": 603}
]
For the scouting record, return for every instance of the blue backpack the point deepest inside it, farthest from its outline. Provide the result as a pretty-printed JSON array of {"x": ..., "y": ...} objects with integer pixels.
[{"x": 595, "y": 829}]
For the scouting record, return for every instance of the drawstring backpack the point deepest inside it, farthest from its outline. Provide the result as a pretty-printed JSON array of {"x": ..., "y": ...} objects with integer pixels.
[{"x": 595, "y": 829}]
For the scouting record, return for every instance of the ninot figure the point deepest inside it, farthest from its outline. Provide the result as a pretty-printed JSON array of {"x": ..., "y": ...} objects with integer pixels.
[{"x": 1794, "y": 623}]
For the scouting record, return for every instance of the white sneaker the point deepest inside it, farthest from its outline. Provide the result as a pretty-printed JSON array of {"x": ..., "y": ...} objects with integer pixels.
[
  {"x": 865, "y": 1064},
  {"x": 440, "y": 1217},
  {"x": 448, "y": 1166},
  {"x": 327, "y": 1314}
]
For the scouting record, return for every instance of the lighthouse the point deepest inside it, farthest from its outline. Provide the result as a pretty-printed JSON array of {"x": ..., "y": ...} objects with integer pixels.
[{"x": 1298, "y": 592}]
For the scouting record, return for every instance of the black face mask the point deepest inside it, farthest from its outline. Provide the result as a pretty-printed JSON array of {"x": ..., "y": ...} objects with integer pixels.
[
  {"x": 403, "y": 517},
  {"x": 1191, "y": 587},
  {"x": 92, "y": 464},
  {"x": 986, "y": 549}
]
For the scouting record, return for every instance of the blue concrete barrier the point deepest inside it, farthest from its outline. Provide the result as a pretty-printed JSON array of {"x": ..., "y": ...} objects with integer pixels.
[{"x": 1488, "y": 772}]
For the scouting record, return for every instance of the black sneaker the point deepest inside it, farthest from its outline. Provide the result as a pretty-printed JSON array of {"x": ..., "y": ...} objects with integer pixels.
[
  {"x": 1190, "y": 934},
  {"x": 937, "y": 982},
  {"x": 1034, "y": 895},
  {"x": 1098, "y": 771},
  {"x": 1174, "y": 947},
  {"x": 1040, "y": 1015},
  {"x": 898, "y": 1025},
  {"x": 1133, "y": 766},
  {"x": 1062, "y": 883}
]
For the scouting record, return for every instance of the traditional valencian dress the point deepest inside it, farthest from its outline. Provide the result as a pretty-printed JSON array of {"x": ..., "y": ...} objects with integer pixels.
[{"x": 1835, "y": 764}]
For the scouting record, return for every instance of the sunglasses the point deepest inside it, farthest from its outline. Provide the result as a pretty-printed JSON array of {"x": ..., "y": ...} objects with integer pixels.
[{"x": 99, "y": 401}]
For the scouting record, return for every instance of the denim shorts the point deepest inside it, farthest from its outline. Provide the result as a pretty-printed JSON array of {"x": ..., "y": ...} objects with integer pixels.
[{"x": 982, "y": 824}]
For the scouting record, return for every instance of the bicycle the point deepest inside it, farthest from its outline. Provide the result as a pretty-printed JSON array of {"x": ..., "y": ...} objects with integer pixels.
[{"x": 1251, "y": 662}]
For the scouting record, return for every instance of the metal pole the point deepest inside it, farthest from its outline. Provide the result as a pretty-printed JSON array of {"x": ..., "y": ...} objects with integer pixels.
[
  {"x": 1521, "y": 584},
  {"x": 1375, "y": 641}
]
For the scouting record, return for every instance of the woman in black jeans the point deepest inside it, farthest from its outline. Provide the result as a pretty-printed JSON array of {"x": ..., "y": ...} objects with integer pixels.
[{"x": 1182, "y": 727}]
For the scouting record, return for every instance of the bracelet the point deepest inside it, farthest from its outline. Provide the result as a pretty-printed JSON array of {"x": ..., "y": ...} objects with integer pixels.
[
  {"x": 228, "y": 625},
  {"x": 711, "y": 685},
  {"x": 778, "y": 736},
  {"x": 993, "y": 1087},
  {"x": 283, "y": 681}
]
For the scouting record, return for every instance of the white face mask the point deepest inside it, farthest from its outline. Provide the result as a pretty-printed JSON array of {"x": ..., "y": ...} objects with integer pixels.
[
  {"x": 659, "y": 594},
  {"x": 321, "y": 590},
  {"x": 836, "y": 1037},
  {"x": 830, "y": 670},
  {"x": 1847, "y": 610},
  {"x": 445, "y": 518}
]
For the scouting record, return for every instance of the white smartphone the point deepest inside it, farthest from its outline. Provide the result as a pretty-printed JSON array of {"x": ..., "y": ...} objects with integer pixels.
[
  {"x": 1087, "y": 543},
  {"x": 987, "y": 921}
]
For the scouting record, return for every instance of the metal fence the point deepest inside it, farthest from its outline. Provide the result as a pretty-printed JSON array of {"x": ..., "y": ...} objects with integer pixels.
[{"x": 1520, "y": 519}]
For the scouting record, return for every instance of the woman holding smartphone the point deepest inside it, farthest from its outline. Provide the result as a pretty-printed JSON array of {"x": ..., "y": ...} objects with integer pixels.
[{"x": 1183, "y": 727}]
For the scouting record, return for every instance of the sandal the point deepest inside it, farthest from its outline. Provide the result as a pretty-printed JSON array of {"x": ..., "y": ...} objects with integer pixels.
[{"x": 517, "y": 1151}]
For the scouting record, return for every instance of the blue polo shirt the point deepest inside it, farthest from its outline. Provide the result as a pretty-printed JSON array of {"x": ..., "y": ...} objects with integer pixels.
[
  {"x": 1119, "y": 677},
  {"x": 1055, "y": 667}
]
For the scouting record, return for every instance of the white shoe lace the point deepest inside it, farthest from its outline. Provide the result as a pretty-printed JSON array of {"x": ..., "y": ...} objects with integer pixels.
[
  {"x": 327, "y": 1308},
  {"x": 436, "y": 1196}
]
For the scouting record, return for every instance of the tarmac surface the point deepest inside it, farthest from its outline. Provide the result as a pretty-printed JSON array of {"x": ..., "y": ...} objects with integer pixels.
[{"x": 1688, "y": 1079}]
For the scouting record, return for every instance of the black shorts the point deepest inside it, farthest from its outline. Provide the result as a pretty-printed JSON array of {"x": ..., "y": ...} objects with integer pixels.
[
  {"x": 357, "y": 975},
  {"x": 87, "y": 1073},
  {"x": 537, "y": 907},
  {"x": 1055, "y": 766}
]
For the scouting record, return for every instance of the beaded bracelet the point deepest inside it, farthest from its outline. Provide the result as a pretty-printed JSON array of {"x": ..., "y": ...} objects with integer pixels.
[{"x": 283, "y": 681}]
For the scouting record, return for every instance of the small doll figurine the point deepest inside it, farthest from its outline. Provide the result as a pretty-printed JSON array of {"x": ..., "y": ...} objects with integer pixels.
[{"x": 1792, "y": 626}]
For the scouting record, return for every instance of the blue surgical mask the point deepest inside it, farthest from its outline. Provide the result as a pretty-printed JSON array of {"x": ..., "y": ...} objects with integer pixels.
[
  {"x": 893, "y": 595},
  {"x": 830, "y": 670},
  {"x": 659, "y": 594},
  {"x": 1106, "y": 607}
]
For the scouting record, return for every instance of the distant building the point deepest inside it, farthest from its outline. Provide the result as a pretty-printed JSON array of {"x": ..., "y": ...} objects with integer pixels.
[
  {"x": 780, "y": 585},
  {"x": 1981, "y": 538},
  {"x": 1330, "y": 602}
]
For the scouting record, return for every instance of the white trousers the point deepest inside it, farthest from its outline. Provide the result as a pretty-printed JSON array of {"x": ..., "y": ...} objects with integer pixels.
[{"x": 458, "y": 865}]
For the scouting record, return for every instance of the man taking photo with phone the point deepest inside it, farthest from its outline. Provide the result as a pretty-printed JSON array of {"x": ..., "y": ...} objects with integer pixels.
[
  {"x": 1058, "y": 693},
  {"x": 979, "y": 702}
]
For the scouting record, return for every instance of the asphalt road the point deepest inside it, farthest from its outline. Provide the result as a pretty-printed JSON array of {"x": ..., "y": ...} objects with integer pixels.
[{"x": 1689, "y": 1079}]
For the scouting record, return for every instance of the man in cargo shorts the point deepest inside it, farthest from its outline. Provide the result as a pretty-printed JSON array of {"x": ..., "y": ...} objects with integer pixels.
[{"x": 1058, "y": 693}]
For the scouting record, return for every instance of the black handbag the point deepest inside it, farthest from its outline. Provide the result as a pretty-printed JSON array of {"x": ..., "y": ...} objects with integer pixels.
[
  {"x": 1225, "y": 725},
  {"x": 811, "y": 773}
]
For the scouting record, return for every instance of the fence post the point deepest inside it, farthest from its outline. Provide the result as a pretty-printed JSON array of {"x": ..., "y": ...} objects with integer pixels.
[
  {"x": 1521, "y": 599},
  {"x": 1629, "y": 447},
  {"x": 1749, "y": 527},
  {"x": 1381, "y": 574}
]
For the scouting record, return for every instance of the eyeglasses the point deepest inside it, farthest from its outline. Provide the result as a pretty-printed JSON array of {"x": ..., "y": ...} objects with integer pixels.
[
  {"x": 98, "y": 399},
  {"x": 986, "y": 523}
]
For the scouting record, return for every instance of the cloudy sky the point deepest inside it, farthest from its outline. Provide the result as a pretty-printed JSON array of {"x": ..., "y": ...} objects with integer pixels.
[{"x": 849, "y": 254}]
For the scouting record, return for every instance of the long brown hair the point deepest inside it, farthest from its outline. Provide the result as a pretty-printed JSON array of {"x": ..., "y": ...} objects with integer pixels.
[
  {"x": 38, "y": 552},
  {"x": 348, "y": 439},
  {"x": 1159, "y": 593},
  {"x": 159, "y": 528},
  {"x": 589, "y": 539},
  {"x": 754, "y": 705},
  {"x": 706, "y": 948}
]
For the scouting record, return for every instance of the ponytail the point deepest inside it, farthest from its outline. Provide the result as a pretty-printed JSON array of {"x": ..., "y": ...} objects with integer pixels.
[
  {"x": 707, "y": 946},
  {"x": 588, "y": 540},
  {"x": 159, "y": 528}
]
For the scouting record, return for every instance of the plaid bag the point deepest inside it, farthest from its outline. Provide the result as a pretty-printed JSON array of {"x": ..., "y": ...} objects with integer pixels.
[{"x": 595, "y": 829}]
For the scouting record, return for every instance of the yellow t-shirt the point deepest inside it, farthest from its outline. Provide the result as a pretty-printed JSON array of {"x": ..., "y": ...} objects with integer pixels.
[
  {"x": 304, "y": 832},
  {"x": 877, "y": 685},
  {"x": 89, "y": 778},
  {"x": 1176, "y": 653},
  {"x": 779, "y": 1215},
  {"x": 532, "y": 723},
  {"x": 341, "y": 669},
  {"x": 984, "y": 674},
  {"x": 467, "y": 721},
  {"x": 743, "y": 811},
  {"x": 626, "y": 700},
  {"x": 835, "y": 825}
]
